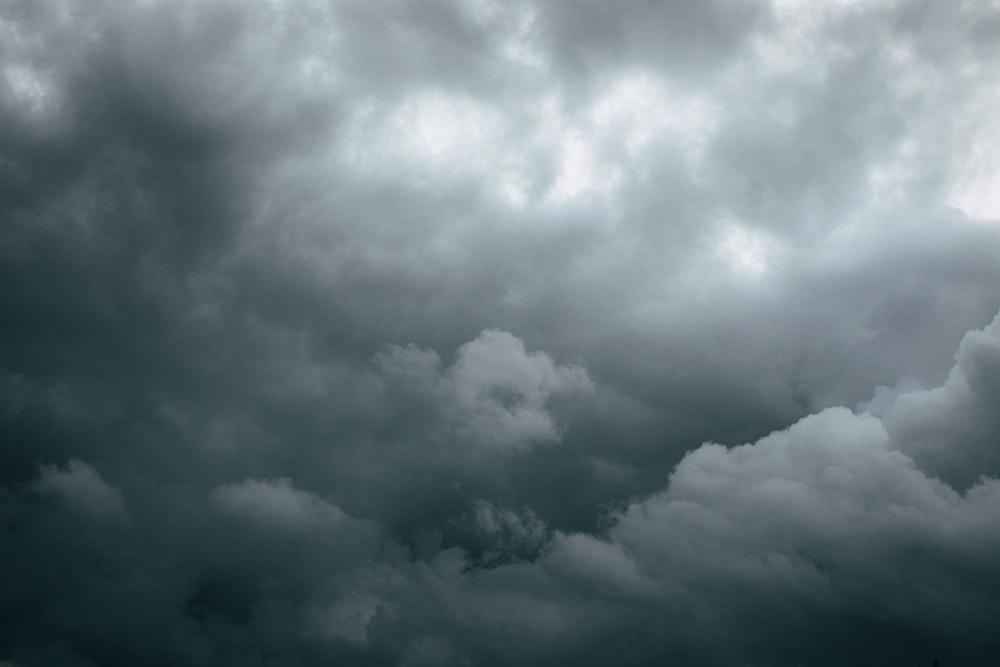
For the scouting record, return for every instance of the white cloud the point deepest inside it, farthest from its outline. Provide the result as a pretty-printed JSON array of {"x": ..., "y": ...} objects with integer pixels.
[
  {"x": 977, "y": 185},
  {"x": 748, "y": 252}
]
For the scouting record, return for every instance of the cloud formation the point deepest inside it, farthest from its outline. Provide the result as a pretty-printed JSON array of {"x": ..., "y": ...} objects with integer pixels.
[
  {"x": 507, "y": 333},
  {"x": 496, "y": 394}
]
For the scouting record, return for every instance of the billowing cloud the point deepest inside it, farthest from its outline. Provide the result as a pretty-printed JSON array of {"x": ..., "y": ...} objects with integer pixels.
[
  {"x": 496, "y": 394},
  {"x": 826, "y": 516},
  {"x": 802, "y": 530},
  {"x": 476, "y": 332}
]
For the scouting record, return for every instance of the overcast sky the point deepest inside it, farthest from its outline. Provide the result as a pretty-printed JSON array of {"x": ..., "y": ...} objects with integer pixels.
[{"x": 499, "y": 333}]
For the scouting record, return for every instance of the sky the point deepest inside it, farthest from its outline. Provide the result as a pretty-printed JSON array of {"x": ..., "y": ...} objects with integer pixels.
[{"x": 491, "y": 333}]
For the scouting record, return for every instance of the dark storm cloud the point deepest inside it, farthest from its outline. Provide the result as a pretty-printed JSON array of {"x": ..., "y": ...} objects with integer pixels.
[
  {"x": 799, "y": 547},
  {"x": 951, "y": 430},
  {"x": 828, "y": 515},
  {"x": 390, "y": 333}
]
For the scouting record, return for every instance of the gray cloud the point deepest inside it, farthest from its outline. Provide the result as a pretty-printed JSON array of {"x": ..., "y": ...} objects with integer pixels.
[
  {"x": 819, "y": 525},
  {"x": 383, "y": 333},
  {"x": 496, "y": 394},
  {"x": 826, "y": 516},
  {"x": 81, "y": 488},
  {"x": 276, "y": 503},
  {"x": 950, "y": 429}
]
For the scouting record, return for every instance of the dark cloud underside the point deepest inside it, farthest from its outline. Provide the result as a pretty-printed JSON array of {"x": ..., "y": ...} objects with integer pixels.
[{"x": 464, "y": 332}]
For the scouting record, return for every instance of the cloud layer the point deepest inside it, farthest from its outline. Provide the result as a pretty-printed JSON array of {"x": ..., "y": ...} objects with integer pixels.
[{"x": 477, "y": 333}]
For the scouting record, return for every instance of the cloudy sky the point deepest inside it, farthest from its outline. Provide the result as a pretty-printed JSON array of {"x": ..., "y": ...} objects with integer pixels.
[{"x": 486, "y": 332}]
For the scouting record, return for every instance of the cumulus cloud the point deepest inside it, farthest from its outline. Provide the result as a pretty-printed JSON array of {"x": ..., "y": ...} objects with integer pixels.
[
  {"x": 477, "y": 332},
  {"x": 828, "y": 515},
  {"x": 811, "y": 529},
  {"x": 496, "y": 394},
  {"x": 951, "y": 430}
]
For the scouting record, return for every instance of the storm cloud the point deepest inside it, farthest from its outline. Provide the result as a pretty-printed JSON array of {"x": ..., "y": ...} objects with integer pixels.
[{"x": 465, "y": 332}]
